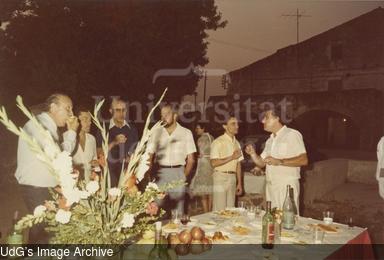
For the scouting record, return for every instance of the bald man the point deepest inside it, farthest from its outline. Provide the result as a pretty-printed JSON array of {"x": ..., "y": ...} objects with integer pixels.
[{"x": 32, "y": 174}]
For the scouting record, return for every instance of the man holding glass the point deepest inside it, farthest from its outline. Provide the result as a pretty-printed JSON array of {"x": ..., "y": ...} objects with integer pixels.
[
  {"x": 122, "y": 140},
  {"x": 283, "y": 155}
]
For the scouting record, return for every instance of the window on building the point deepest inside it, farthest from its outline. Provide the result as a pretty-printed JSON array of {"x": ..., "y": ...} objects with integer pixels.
[
  {"x": 336, "y": 52},
  {"x": 335, "y": 85}
]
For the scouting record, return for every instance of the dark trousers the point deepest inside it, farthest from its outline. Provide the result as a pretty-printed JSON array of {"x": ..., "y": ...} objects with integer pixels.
[
  {"x": 114, "y": 172},
  {"x": 33, "y": 197}
]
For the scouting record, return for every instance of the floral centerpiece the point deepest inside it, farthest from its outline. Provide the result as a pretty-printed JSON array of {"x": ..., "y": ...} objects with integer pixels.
[{"x": 93, "y": 212}]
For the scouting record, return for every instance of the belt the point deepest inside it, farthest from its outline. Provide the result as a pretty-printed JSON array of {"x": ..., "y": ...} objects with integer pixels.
[
  {"x": 170, "y": 166},
  {"x": 228, "y": 172}
]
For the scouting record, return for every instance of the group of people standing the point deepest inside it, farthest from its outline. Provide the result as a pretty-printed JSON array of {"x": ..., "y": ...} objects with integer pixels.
[
  {"x": 172, "y": 149},
  {"x": 283, "y": 155},
  {"x": 218, "y": 177}
]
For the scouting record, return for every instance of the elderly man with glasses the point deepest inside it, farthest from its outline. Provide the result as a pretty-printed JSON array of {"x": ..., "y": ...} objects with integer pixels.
[{"x": 122, "y": 140}]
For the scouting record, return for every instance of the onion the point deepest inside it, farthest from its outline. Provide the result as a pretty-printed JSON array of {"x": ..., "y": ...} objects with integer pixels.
[
  {"x": 194, "y": 241},
  {"x": 185, "y": 237},
  {"x": 206, "y": 243},
  {"x": 182, "y": 249},
  {"x": 173, "y": 239},
  {"x": 196, "y": 247},
  {"x": 197, "y": 233}
]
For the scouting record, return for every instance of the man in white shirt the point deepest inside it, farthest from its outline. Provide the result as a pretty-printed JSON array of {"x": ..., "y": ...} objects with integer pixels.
[
  {"x": 283, "y": 155},
  {"x": 225, "y": 157},
  {"x": 172, "y": 147},
  {"x": 33, "y": 174},
  {"x": 380, "y": 166}
]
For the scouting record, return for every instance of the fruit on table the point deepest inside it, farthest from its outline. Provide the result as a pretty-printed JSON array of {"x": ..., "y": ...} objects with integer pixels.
[
  {"x": 196, "y": 247},
  {"x": 197, "y": 233},
  {"x": 182, "y": 249},
  {"x": 185, "y": 236},
  {"x": 173, "y": 239}
]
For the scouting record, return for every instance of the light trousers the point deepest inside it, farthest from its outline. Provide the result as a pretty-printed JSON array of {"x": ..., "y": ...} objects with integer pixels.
[
  {"x": 176, "y": 196},
  {"x": 224, "y": 190}
]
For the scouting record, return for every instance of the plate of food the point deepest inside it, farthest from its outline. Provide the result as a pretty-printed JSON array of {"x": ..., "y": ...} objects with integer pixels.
[
  {"x": 218, "y": 237},
  {"x": 331, "y": 229},
  {"x": 171, "y": 227},
  {"x": 240, "y": 230},
  {"x": 227, "y": 213},
  {"x": 208, "y": 224}
]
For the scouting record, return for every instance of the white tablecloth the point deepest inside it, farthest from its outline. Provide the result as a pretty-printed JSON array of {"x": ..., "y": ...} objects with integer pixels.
[
  {"x": 249, "y": 246},
  {"x": 254, "y": 184},
  {"x": 294, "y": 244}
]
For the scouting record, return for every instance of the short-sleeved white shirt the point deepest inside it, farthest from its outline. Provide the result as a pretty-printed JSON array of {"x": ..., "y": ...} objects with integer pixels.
[
  {"x": 222, "y": 147},
  {"x": 287, "y": 143},
  {"x": 171, "y": 149}
]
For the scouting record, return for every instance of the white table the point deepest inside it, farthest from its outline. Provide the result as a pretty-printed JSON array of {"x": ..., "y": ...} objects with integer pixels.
[
  {"x": 295, "y": 244},
  {"x": 249, "y": 246}
]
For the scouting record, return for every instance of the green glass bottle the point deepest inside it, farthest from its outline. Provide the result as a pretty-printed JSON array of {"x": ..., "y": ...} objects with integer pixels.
[
  {"x": 159, "y": 250},
  {"x": 268, "y": 234},
  {"x": 15, "y": 237},
  {"x": 288, "y": 211}
]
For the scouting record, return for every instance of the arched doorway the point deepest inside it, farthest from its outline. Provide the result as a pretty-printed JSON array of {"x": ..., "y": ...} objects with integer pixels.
[{"x": 328, "y": 129}]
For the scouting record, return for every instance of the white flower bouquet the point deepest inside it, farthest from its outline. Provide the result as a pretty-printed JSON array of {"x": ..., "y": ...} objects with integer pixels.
[{"x": 93, "y": 212}]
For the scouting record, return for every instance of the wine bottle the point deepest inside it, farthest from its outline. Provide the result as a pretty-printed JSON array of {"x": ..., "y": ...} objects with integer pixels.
[
  {"x": 268, "y": 235},
  {"x": 15, "y": 237},
  {"x": 288, "y": 211},
  {"x": 292, "y": 196},
  {"x": 158, "y": 251}
]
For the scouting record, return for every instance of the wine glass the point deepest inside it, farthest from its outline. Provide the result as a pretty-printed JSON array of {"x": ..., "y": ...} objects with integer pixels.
[
  {"x": 175, "y": 216},
  {"x": 257, "y": 211},
  {"x": 184, "y": 219}
]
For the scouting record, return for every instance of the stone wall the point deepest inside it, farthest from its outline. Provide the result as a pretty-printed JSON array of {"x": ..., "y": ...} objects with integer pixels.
[
  {"x": 324, "y": 177},
  {"x": 362, "y": 171},
  {"x": 329, "y": 175}
]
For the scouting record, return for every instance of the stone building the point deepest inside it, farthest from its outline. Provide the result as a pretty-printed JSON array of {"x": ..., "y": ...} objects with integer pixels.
[{"x": 334, "y": 82}]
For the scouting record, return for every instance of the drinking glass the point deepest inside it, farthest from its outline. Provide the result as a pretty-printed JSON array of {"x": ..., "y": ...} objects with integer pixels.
[
  {"x": 328, "y": 217},
  {"x": 317, "y": 235},
  {"x": 350, "y": 222},
  {"x": 257, "y": 211},
  {"x": 175, "y": 216},
  {"x": 251, "y": 211}
]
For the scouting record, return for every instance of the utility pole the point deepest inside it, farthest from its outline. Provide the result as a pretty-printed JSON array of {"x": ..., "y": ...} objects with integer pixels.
[{"x": 298, "y": 16}]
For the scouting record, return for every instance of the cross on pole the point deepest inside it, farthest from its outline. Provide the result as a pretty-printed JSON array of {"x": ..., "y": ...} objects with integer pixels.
[{"x": 298, "y": 16}]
